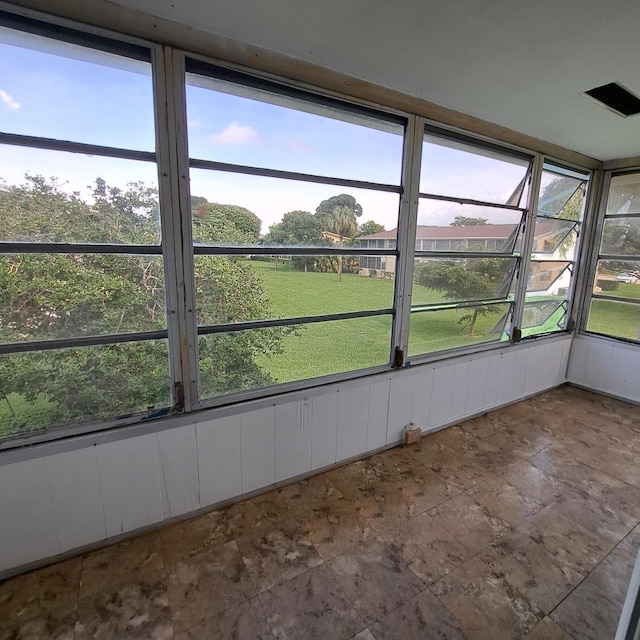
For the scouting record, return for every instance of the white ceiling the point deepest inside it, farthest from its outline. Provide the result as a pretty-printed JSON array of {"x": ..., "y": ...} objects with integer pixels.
[{"x": 522, "y": 65}]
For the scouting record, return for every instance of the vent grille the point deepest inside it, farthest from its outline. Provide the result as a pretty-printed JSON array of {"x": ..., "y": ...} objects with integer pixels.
[{"x": 615, "y": 97}]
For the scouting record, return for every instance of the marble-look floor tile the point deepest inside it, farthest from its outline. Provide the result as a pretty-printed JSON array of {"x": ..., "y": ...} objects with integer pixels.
[
  {"x": 137, "y": 610},
  {"x": 121, "y": 563},
  {"x": 277, "y": 554},
  {"x": 260, "y": 512},
  {"x": 335, "y": 527},
  {"x": 421, "y": 617},
  {"x": 595, "y": 515},
  {"x": 429, "y": 550},
  {"x": 193, "y": 536},
  {"x": 364, "y": 635},
  {"x": 203, "y": 585},
  {"x": 527, "y": 567},
  {"x": 375, "y": 578},
  {"x": 588, "y": 613},
  {"x": 469, "y": 522},
  {"x": 387, "y": 505},
  {"x": 354, "y": 476},
  {"x": 486, "y": 607},
  {"x": 566, "y": 540},
  {"x": 433, "y": 490},
  {"x": 54, "y": 625},
  {"x": 38, "y": 592},
  {"x": 505, "y": 501},
  {"x": 482, "y": 426},
  {"x": 305, "y": 495},
  {"x": 535, "y": 482},
  {"x": 246, "y": 621},
  {"x": 547, "y": 629},
  {"x": 312, "y": 606},
  {"x": 455, "y": 437}
]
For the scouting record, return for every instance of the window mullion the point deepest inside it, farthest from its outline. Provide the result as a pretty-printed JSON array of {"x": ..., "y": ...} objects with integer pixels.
[
  {"x": 406, "y": 239},
  {"x": 525, "y": 251},
  {"x": 170, "y": 126}
]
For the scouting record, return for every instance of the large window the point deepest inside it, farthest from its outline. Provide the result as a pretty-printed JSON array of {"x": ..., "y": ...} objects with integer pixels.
[
  {"x": 615, "y": 300},
  {"x": 471, "y": 212},
  {"x": 177, "y": 235}
]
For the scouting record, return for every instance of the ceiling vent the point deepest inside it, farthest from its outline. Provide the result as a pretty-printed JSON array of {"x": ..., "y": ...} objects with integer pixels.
[{"x": 615, "y": 97}]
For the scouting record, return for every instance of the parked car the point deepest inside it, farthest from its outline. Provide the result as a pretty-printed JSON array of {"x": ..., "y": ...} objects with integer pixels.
[{"x": 630, "y": 277}]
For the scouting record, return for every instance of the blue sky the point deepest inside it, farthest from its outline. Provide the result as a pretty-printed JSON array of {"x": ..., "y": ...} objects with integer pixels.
[{"x": 69, "y": 93}]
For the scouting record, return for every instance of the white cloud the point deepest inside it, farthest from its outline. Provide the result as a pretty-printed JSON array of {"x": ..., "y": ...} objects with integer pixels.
[
  {"x": 9, "y": 101},
  {"x": 237, "y": 134}
]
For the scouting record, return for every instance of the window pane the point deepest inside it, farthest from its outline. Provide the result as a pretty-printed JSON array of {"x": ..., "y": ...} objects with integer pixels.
[
  {"x": 461, "y": 280},
  {"x": 454, "y": 169},
  {"x": 618, "y": 278},
  {"x": 235, "y": 289},
  {"x": 621, "y": 236},
  {"x": 256, "y": 358},
  {"x": 543, "y": 316},
  {"x": 624, "y": 194},
  {"x": 549, "y": 277},
  {"x": 614, "y": 318},
  {"x": 231, "y": 123},
  {"x": 435, "y": 330},
  {"x": 54, "y": 296},
  {"x": 90, "y": 199},
  {"x": 254, "y": 204},
  {"x": 53, "y": 89},
  {"x": 551, "y": 236},
  {"x": 560, "y": 196},
  {"x": 49, "y": 388}
]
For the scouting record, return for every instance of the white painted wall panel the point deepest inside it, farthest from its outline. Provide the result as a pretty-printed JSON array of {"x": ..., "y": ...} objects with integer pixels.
[
  {"x": 257, "y": 430},
  {"x": 459, "y": 391},
  {"x": 292, "y": 439},
  {"x": 379, "y": 414},
  {"x": 536, "y": 370},
  {"x": 324, "y": 429},
  {"x": 130, "y": 483},
  {"x": 506, "y": 390},
  {"x": 421, "y": 399},
  {"x": 27, "y": 531},
  {"x": 477, "y": 385},
  {"x": 597, "y": 364},
  {"x": 178, "y": 470},
  {"x": 76, "y": 500},
  {"x": 441, "y": 395},
  {"x": 492, "y": 381},
  {"x": 353, "y": 418},
  {"x": 219, "y": 459},
  {"x": 400, "y": 399}
]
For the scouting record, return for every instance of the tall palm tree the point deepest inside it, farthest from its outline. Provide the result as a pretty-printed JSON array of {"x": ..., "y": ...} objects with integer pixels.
[{"x": 342, "y": 222}]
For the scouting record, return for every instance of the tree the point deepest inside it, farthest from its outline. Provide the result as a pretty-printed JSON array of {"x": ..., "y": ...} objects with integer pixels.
[
  {"x": 64, "y": 295},
  {"x": 465, "y": 221},
  {"x": 369, "y": 228},
  {"x": 326, "y": 208},
  {"x": 342, "y": 222},
  {"x": 467, "y": 280}
]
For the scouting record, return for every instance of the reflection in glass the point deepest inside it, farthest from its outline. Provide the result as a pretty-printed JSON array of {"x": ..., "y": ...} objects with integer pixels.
[
  {"x": 614, "y": 318},
  {"x": 237, "y": 124},
  {"x": 450, "y": 168},
  {"x": 54, "y": 89},
  {"x": 538, "y": 313},
  {"x": 438, "y": 281},
  {"x": 439, "y": 329},
  {"x": 618, "y": 277},
  {"x": 254, "y": 358},
  {"x": 91, "y": 199},
  {"x": 621, "y": 236},
  {"x": 560, "y": 196},
  {"x": 554, "y": 235},
  {"x": 247, "y": 288},
  {"x": 546, "y": 274},
  {"x": 51, "y": 388},
  {"x": 624, "y": 194}
]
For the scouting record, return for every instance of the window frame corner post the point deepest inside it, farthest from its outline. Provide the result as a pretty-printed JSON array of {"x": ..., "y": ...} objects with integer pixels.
[
  {"x": 173, "y": 177},
  {"x": 406, "y": 236}
]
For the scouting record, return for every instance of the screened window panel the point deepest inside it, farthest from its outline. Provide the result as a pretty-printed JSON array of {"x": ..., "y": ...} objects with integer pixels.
[
  {"x": 245, "y": 360},
  {"x": 44, "y": 389},
  {"x": 621, "y": 236},
  {"x": 236, "y": 124},
  {"x": 624, "y": 195},
  {"x": 440, "y": 329},
  {"x": 551, "y": 236},
  {"x": 557, "y": 191},
  {"x": 614, "y": 318},
  {"x": 548, "y": 276},
  {"x": 64, "y": 91},
  {"x": 618, "y": 278}
]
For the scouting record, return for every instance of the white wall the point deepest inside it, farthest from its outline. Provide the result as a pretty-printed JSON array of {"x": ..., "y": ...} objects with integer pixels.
[
  {"x": 606, "y": 366},
  {"x": 55, "y": 503}
]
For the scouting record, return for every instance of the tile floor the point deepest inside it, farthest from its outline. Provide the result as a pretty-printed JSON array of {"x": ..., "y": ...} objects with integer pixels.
[{"x": 522, "y": 523}]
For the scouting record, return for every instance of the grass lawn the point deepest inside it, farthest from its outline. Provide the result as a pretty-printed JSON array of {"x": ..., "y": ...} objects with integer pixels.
[{"x": 345, "y": 345}]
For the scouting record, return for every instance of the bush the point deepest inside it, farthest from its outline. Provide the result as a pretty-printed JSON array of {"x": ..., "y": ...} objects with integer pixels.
[{"x": 608, "y": 285}]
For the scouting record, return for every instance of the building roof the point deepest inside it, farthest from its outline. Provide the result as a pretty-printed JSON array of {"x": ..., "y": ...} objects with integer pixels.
[{"x": 481, "y": 231}]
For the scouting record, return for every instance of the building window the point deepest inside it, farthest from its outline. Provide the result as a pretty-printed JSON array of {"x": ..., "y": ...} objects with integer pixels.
[{"x": 615, "y": 301}]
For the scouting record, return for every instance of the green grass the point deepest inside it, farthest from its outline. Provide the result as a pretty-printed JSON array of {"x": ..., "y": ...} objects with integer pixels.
[{"x": 612, "y": 318}]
